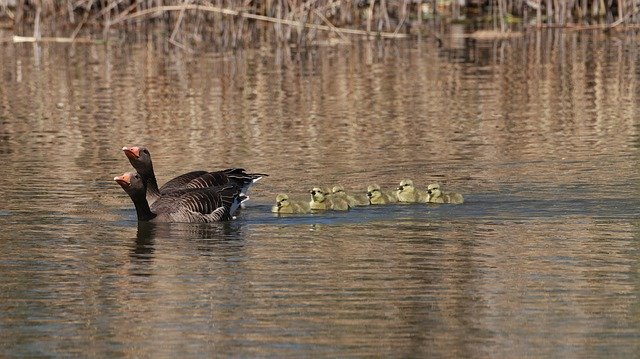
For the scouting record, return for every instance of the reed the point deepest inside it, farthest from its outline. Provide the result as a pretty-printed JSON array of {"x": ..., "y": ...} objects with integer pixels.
[{"x": 230, "y": 23}]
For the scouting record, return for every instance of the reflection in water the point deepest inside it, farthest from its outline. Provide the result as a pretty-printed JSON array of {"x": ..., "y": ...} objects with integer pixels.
[
  {"x": 145, "y": 241},
  {"x": 204, "y": 233},
  {"x": 539, "y": 133}
]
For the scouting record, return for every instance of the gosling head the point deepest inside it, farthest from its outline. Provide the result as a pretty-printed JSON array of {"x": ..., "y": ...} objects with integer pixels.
[
  {"x": 337, "y": 189},
  {"x": 406, "y": 185},
  {"x": 317, "y": 194},
  {"x": 373, "y": 191},
  {"x": 282, "y": 200},
  {"x": 434, "y": 190}
]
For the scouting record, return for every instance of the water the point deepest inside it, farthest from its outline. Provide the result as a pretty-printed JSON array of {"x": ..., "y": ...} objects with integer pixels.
[{"x": 539, "y": 133}]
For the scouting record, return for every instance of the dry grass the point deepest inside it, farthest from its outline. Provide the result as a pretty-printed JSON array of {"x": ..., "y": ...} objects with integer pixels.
[{"x": 231, "y": 23}]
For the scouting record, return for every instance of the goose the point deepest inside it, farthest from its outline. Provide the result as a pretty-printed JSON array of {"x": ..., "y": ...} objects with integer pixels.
[
  {"x": 198, "y": 205},
  {"x": 321, "y": 202},
  {"x": 408, "y": 193},
  {"x": 376, "y": 196},
  {"x": 437, "y": 196},
  {"x": 339, "y": 192},
  {"x": 285, "y": 206},
  {"x": 140, "y": 159}
]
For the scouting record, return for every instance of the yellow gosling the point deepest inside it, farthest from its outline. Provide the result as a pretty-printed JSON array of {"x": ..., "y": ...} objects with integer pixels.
[
  {"x": 437, "y": 196},
  {"x": 408, "y": 193},
  {"x": 285, "y": 206},
  {"x": 376, "y": 196},
  {"x": 339, "y": 192},
  {"x": 320, "y": 201}
]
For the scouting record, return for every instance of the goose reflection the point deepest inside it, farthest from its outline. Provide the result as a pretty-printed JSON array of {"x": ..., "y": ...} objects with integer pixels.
[
  {"x": 150, "y": 235},
  {"x": 145, "y": 242}
]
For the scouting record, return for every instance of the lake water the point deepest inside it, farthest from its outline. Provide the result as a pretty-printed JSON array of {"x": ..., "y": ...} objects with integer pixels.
[{"x": 540, "y": 133}]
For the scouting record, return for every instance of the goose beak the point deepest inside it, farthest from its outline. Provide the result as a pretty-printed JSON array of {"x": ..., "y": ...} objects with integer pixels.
[
  {"x": 131, "y": 152},
  {"x": 123, "y": 181}
]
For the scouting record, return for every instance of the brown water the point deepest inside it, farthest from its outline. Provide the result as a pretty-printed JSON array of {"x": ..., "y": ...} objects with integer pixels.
[{"x": 541, "y": 135}]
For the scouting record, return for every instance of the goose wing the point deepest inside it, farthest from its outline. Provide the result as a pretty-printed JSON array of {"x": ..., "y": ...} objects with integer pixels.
[
  {"x": 210, "y": 204},
  {"x": 181, "y": 181},
  {"x": 231, "y": 176}
]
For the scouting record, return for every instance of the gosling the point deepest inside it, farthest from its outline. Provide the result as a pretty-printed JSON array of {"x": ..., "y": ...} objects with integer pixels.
[
  {"x": 285, "y": 206},
  {"x": 437, "y": 196},
  {"x": 408, "y": 193},
  {"x": 376, "y": 196},
  {"x": 339, "y": 192},
  {"x": 321, "y": 202}
]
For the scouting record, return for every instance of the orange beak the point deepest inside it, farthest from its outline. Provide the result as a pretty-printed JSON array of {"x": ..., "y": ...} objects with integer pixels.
[
  {"x": 131, "y": 152},
  {"x": 124, "y": 180}
]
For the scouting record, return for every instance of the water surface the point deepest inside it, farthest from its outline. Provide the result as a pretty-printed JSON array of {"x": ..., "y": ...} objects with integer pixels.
[{"x": 539, "y": 133}]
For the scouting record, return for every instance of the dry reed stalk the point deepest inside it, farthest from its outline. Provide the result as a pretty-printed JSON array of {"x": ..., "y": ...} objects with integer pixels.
[
  {"x": 36, "y": 24},
  {"x": 335, "y": 29},
  {"x": 19, "y": 39},
  {"x": 179, "y": 22},
  {"x": 215, "y": 9},
  {"x": 84, "y": 20},
  {"x": 384, "y": 16},
  {"x": 623, "y": 19},
  {"x": 403, "y": 14},
  {"x": 235, "y": 21},
  {"x": 370, "y": 15}
]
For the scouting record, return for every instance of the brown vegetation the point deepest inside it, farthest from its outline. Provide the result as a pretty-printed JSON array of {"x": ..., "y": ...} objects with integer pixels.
[{"x": 230, "y": 23}]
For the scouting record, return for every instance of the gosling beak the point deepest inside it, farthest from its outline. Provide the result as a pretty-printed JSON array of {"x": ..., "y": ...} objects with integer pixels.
[
  {"x": 124, "y": 180},
  {"x": 369, "y": 194},
  {"x": 400, "y": 188},
  {"x": 131, "y": 152}
]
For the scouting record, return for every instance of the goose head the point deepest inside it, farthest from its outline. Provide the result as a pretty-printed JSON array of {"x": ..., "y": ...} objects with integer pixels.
[
  {"x": 132, "y": 183},
  {"x": 140, "y": 158}
]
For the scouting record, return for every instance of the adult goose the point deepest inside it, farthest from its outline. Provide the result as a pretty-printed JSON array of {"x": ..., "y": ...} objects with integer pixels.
[
  {"x": 140, "y": 159},
  {"x": 197, "y": 205}
]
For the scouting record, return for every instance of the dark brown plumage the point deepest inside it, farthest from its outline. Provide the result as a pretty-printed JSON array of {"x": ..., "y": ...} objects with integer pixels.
[
  {"x": 195, "y": 205},
  {"x": 140, "y": 159}
]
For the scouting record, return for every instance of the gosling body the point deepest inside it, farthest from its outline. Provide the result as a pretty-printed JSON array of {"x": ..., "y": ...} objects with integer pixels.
[
  {"x": 376, "y": 196},
  {"x": 286, "y": 206},
  {"x": 320, "y": 201},
  {"x": 338, "y": 192},
  {"x": 408, "y": 193},
  {"x": 437, "y": 196}
]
